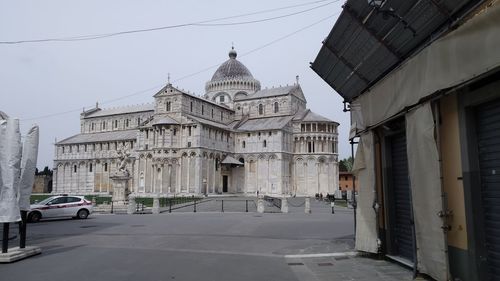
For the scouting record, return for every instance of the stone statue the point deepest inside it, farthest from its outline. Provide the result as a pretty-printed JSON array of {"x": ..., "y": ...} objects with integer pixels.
[
  {"x": 120, "y": 179},
  {"x": 123, "y": 154}
]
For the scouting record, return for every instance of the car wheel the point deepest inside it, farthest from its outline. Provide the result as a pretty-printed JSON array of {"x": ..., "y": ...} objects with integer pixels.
[
  {"x": 35, "y": 217},
  {"x": 82, "y": 214}
]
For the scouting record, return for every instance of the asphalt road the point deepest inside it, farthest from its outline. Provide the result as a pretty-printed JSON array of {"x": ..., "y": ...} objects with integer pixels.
[{"x": 181, "y": 246}]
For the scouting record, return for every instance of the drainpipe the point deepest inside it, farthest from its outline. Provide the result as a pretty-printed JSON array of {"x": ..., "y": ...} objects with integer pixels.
[
  {"x": 376, "y": 204},
  {"x": 354, "y": 204},
  {"x": 445, "y": 214}
]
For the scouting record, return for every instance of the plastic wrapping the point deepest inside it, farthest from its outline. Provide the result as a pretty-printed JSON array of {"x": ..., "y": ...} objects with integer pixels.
[
  {"x": 423, "y": 164},
  {"x": 364, "y": 169},
  {"x": 28, "y": 166},
  {"x": 10, "y": 170},
  {"x": 17, "y": 168}
]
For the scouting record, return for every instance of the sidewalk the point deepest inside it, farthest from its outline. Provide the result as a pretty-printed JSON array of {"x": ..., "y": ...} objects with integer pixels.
[{"x": 346, "y": 267}]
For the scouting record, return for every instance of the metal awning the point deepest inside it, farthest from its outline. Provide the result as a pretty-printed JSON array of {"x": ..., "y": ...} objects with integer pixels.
[
  {"x": 231, "y": 160},
  {"x": 367, "y": 42}
]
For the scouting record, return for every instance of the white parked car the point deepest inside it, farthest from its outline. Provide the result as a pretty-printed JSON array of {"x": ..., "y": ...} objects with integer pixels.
[{"x": 60, "y": 206}]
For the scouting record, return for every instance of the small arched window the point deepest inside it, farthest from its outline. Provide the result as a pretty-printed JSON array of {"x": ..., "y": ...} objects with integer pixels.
[
  {"x": 243, "y": 144},
  {"x": 74, "y": 168},
  {"x": 261, "y": 109},
  {"x": 264, "y": 143},
  {"x": 276, "y": 107}
]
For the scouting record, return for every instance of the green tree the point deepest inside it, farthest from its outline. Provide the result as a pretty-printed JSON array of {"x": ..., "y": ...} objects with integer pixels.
[
  {"x": 46, "y": 171},
  {"x": 345, "y": 165}
]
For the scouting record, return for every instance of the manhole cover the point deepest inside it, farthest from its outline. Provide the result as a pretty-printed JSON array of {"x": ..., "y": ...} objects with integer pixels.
[
  {"x": 325, "y": 264},
  {"x": 88, "y": 226},
  {"x": 295, "y": 263}
]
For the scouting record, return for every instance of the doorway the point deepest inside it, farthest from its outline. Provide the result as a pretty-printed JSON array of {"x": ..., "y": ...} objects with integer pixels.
[
  {"x": 401, "y": 216},
  {"x": 224, "y": 183},
  {"x": 487, "y": 208},
  {"x": 400, "y": 236}
]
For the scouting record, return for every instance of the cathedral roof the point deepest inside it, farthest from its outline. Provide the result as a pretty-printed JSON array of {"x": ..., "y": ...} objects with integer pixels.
[
  {"x": 268, "y": 123},
  {"x": 101, "y": 137},
  {"x": 308, "y": 116},
  {"x": 295, "y": 90},
  {"x": 314, "y": 117},
  {"x": 120, "y": 110},
  {"x": 208, "y": 122},
  {"x": 164, "y": 120},
  {"x": 231, "y": 69}
]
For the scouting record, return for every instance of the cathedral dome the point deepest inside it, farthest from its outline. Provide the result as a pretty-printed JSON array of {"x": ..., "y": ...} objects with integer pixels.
[{"x": 232, "y": 69}]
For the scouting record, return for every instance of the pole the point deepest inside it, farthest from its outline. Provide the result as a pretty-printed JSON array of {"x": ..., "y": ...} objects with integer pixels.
[
  {"x": 223, "y": 206},
  {"x": 111, "y": 206},
  {"x": 194, "y": 205},
  {"x": 354, "y": 204},
  {"x": 5, "y": 238},
  {"x": 170, "y": 205},
  {"x": 246, "y": 206},
  {"x": 22, "y": 229}
]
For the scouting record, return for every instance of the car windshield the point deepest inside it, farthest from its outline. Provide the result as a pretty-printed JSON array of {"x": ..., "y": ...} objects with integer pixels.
[{"x": 44, "y": 201}]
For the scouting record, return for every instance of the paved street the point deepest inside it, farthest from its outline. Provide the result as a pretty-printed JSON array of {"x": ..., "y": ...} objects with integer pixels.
[{"x": 200, "y": 246}]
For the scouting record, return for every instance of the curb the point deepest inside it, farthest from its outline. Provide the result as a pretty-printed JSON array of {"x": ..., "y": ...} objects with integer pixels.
[{"x": 341, "y": 254}]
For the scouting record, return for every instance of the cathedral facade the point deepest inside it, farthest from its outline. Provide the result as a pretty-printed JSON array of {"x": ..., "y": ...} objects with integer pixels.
[{"x": 236, "y": 139}]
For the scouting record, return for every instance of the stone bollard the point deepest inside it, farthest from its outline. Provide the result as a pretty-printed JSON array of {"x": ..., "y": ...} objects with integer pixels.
[
  {"x": 156, "y": 205},
  {"x": 307, "y": 209},
  {"x": 284, "y": 205},
  {"x": 131, "y": 204},
  {"x": 260, "y": 205}
]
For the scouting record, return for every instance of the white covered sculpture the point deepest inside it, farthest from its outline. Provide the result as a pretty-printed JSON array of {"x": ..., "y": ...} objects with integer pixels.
[{"x": 17, "y": 168}]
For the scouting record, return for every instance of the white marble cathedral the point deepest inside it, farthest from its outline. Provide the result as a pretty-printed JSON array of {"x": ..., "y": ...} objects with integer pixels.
[{"x": 237, "y": 138}]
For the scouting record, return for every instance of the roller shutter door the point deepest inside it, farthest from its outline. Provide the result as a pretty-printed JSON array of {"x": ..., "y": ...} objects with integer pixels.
[
  {"x": 402, "y": 222},
  {"x": 488, "y": 139}
]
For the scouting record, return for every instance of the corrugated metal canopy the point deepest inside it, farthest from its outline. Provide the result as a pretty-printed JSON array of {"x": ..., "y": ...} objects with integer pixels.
[{"x": 366, "y": 43}]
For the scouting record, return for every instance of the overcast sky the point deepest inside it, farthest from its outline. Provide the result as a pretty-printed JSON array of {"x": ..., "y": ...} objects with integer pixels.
[{"x": 49, "y": 83}]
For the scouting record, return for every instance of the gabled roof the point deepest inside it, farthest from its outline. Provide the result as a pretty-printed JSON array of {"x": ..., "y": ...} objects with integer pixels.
[
  {"x": 119, "y": 110},
  {"x": 169, "y": 89},
  {"x": 295, "y": 90},
  {"x": 231, "y": 160},
  {"x": 101, "y": 137},
  {"x": 268, "y": 123},
  {"x": 163, "y": 120}
]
